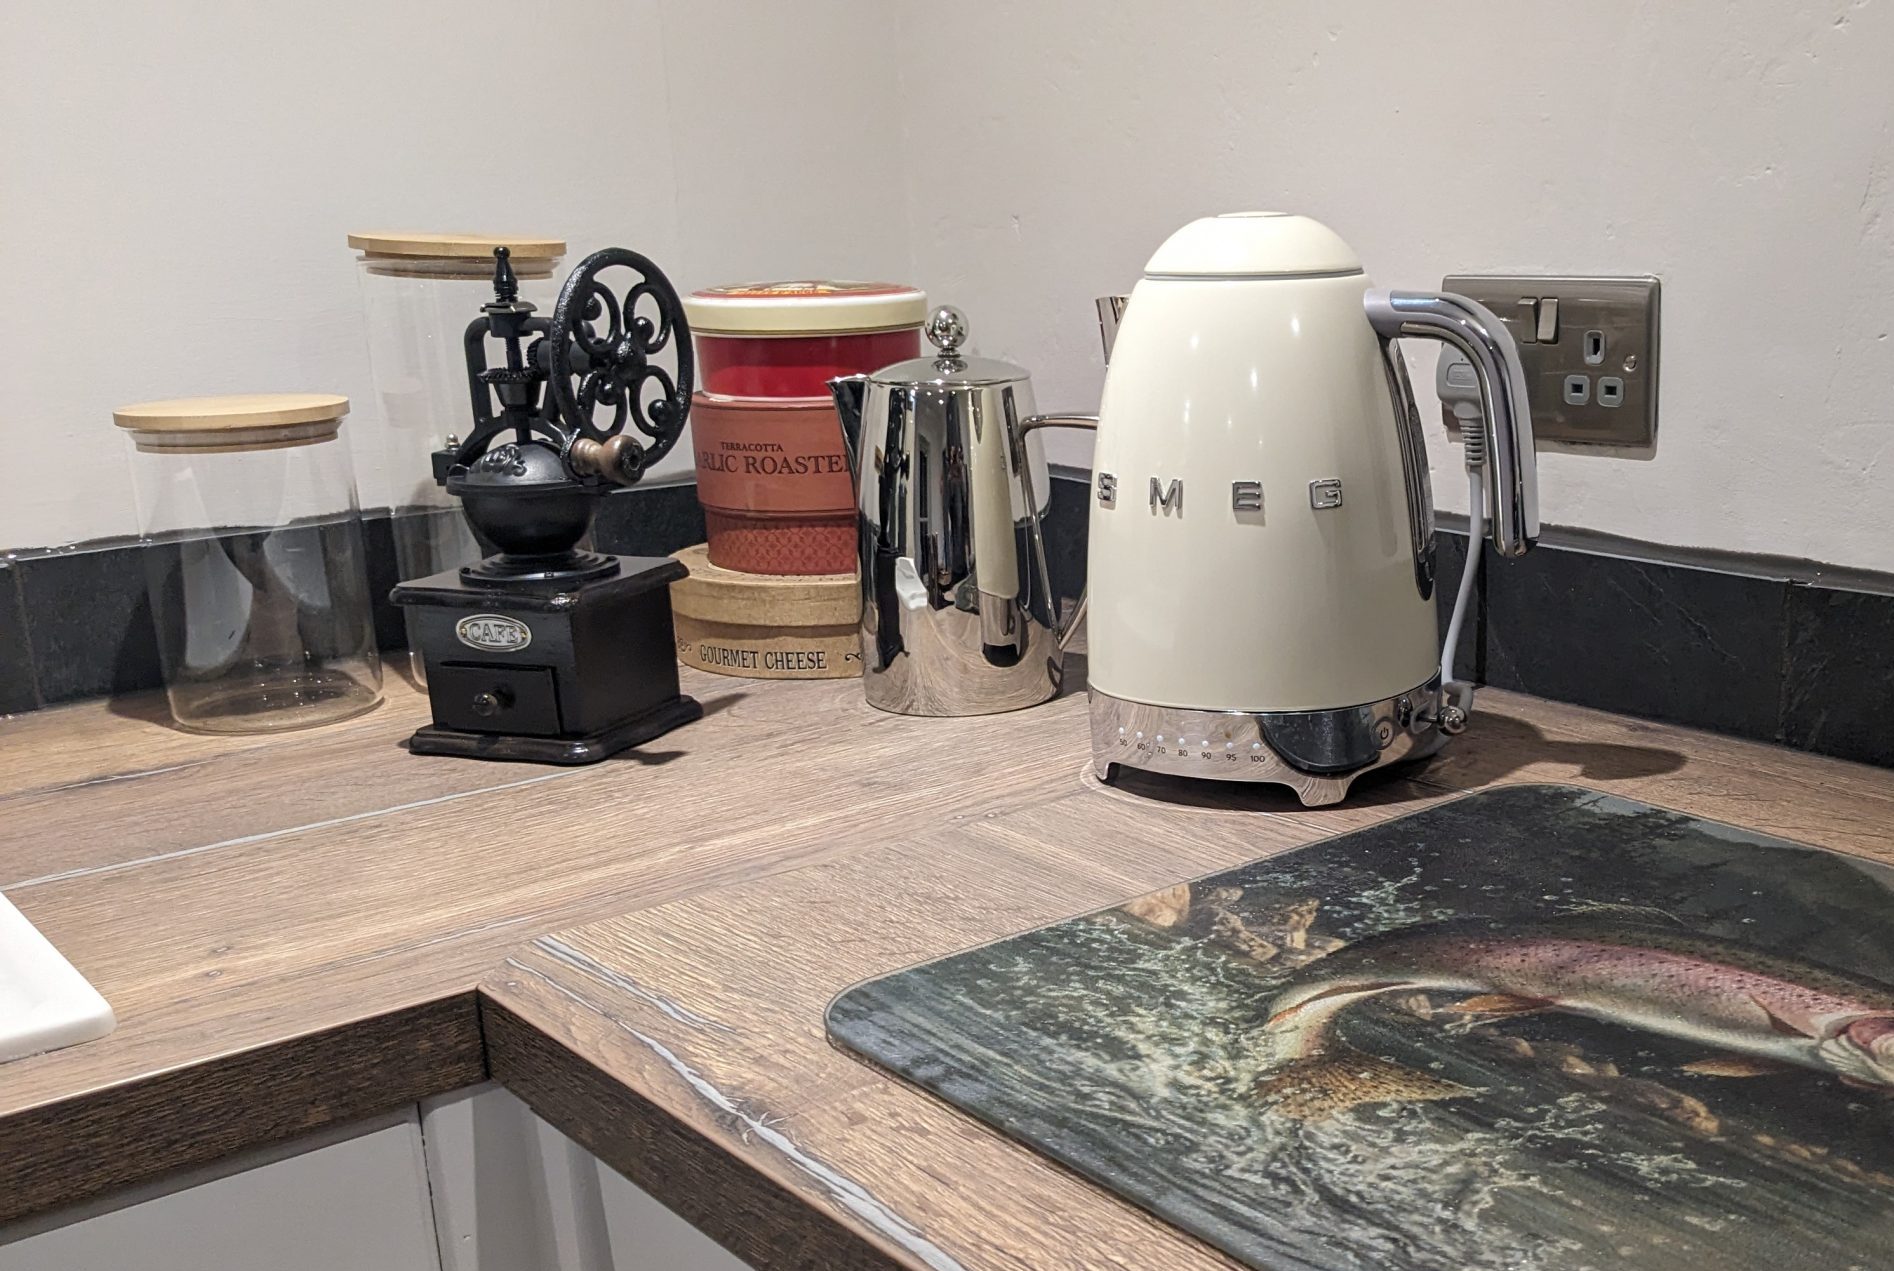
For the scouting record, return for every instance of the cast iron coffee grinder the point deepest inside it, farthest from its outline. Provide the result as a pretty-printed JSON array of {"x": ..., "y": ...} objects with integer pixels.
[{"x": 543, "y": 652}]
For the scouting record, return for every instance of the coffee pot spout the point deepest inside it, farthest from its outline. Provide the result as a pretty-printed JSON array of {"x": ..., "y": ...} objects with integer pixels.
[{"x": 849, "y": 392}]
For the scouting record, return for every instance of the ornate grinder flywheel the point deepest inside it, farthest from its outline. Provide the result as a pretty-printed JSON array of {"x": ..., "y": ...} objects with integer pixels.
[{"x": 579, "y": 404}]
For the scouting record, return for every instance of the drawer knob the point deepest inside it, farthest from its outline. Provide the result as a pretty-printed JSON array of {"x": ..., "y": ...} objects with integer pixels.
[{"x": 492, "y": 702}]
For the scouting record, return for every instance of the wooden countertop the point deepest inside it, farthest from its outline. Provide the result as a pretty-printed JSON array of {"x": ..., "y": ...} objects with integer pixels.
[{"x": 305, "y": 930}]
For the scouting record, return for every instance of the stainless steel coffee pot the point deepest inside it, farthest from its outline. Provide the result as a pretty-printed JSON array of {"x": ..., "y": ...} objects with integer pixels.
[{"x": 959, "y": 616}]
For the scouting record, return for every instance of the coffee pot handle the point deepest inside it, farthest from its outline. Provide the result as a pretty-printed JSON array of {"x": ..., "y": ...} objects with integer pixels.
[
  {"x": 1028, "y": 426},
  {"x": 1111, "y": 312},
  {"x": 1485, "y": 342}
]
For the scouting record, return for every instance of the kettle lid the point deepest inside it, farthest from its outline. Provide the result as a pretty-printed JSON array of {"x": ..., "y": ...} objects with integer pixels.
[
  {"x": 946, "y": 329},
  {"x": 1252, "y": 245}
]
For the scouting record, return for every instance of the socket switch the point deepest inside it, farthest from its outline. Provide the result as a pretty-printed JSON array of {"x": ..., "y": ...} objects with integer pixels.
[{"x": 1589, "y": 347}]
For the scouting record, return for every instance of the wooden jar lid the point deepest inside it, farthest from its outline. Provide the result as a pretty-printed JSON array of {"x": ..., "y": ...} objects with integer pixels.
[
  {"x": 456, "y": 246},
  {"x": 414, "y": 255},
  {"x": 242, "y": 421}
]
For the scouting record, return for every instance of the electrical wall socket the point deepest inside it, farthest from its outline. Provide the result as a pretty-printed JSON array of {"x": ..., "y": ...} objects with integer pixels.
[{"x": 1589, "y": 348}]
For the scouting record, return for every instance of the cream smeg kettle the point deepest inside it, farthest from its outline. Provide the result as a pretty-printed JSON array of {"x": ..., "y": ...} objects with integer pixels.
[{"x": 1261, "y": 532}]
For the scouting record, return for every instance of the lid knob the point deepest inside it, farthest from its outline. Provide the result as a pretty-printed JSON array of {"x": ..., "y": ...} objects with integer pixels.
[
  {"x": 947, "y": 330},
  {"x": 506, "y": 287}
]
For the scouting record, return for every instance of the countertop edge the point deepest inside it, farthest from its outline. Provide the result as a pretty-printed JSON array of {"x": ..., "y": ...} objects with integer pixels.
[
  {"x": 740, "y": 1207},
  {"x": 59, "y": 1155}
]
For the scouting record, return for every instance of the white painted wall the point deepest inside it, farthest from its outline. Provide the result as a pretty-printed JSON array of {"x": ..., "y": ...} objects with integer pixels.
[
  {"x": 179, "y": 179},
  {"x": 1743, "y": 152},
  {"x": 1013, "y": 156}
]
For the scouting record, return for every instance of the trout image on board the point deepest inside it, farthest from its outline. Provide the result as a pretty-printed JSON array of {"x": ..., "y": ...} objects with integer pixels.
[{"x": 1535, "y": 1027}]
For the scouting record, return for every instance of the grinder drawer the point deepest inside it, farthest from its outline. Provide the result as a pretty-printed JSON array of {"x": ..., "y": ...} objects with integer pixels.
[{"x": 472, "y": 698}]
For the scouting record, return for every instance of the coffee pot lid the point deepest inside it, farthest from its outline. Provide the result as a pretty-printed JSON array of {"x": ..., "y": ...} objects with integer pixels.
[{"x": 946, "y": 330}]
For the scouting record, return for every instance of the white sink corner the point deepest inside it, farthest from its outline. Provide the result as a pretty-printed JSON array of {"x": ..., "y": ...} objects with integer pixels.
[{"x": 44, "y": 1002}]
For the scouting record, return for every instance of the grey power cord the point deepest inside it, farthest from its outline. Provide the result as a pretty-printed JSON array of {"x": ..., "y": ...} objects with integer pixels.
[{"x": 1459, "y": 390}]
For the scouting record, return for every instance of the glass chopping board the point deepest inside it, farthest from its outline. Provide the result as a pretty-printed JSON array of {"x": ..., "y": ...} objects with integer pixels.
[{"x": 1536, "y": 1027}]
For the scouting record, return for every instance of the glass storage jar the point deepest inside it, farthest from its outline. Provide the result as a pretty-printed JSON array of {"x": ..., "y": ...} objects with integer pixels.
[
  {"x": 419, "y": 292},
  {"x": 254, "y": 562}
]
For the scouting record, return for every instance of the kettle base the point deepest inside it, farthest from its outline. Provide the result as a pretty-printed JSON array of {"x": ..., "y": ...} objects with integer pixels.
[{"x": 1318, "y": 754}]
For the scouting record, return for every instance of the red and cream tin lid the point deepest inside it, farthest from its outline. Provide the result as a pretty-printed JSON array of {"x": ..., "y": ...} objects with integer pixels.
[{"x": 806, "y": 307}]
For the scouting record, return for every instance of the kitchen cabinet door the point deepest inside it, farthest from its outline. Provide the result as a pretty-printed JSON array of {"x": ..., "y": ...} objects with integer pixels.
[
  {"x": 511, "y": 1193},
  {"x": 646, "y": 1236},
  {"x": 356, "y": 1205}
]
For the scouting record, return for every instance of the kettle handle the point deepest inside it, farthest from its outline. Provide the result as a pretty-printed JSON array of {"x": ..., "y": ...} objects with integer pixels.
[
  {"x": 1028, "y": 426},
  {"x": 1485, "y": 342}
]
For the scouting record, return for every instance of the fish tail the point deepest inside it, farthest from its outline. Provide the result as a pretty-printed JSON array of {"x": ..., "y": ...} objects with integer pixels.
[{"x": 1342, "y": 1077}]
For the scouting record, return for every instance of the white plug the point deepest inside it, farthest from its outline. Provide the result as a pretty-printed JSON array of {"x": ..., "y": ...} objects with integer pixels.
[{"x": 1460, "y": 406}]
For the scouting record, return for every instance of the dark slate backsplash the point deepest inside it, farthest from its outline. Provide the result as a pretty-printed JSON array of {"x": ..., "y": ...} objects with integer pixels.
[
  {"x": 1687, "y": 646},
  {"x": 1065, "y": 536},
  {"x": 1764, "y": 658},
  {"x": 1838, "y": 674},
  {"x": 19, "y": 685},
  {"x": 1759, "y": 657},
  {"x": 88, "y": 622},
  {"x": 76, "y": 623}
]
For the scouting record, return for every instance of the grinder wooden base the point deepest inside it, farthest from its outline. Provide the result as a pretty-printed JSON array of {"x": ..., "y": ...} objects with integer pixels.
[{"x": 766, "y": 626}]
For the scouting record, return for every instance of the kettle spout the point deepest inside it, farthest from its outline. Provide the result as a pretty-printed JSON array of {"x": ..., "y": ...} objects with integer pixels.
[{"x": 849, "y": 391}]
